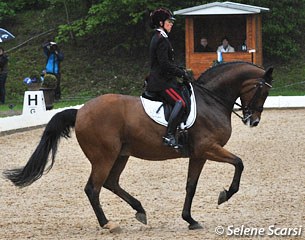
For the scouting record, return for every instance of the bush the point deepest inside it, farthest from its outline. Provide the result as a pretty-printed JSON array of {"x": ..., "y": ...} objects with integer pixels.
[
  {"x": 35, "y": 77},
  {"x": 49, "y": 81}
]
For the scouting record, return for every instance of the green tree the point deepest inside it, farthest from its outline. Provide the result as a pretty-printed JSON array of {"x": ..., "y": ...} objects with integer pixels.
[
  {"x": 123, "y": 24},
  {"x": 5, "y": 11},
  {"x": 283, "y": 27}
]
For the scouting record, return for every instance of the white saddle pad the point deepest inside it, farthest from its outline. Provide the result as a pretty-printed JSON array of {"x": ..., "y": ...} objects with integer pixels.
[{"x": 152, "y": 107}]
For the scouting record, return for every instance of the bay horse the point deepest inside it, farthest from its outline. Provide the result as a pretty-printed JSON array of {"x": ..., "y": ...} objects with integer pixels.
[{"x": 112, "y": 127}]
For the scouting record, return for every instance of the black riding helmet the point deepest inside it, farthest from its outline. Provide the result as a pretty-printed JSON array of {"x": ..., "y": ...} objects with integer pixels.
[{"x": 160, "y": 15}]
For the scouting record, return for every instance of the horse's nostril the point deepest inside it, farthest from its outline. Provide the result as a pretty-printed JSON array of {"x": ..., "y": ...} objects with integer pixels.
[{"x": 255, "y": 122}]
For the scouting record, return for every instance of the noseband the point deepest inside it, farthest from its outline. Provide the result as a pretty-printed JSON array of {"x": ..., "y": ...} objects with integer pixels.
[{"x": 249, "y": 109}]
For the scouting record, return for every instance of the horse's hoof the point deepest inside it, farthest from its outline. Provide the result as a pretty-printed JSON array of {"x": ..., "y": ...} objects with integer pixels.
[
  {"x": 222, "y": 197},
  {"x": 141, "y": 217},
  {"x": 195, "y": 226},
  {"x": 113, "y": 227}
]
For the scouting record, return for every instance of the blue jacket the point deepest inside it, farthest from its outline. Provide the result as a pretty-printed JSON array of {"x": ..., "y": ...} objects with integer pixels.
[{"x": 53, "y": 60}]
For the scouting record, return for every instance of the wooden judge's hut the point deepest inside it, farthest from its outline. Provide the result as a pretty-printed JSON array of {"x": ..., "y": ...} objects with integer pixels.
[{"x": 240, "y": 23}]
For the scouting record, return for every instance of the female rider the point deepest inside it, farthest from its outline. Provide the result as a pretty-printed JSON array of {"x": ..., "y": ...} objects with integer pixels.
[{"x": 163, "y": 72}]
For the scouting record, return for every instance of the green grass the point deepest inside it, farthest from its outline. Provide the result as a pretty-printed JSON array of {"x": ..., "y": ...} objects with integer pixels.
[
  {"x": 5, "y": 107},
  {"x": 17, "y": 106},
  {"x": 287, "y": 92},
  {"x": 68, "y": 103},
  {"x": 289, "y": 79}
]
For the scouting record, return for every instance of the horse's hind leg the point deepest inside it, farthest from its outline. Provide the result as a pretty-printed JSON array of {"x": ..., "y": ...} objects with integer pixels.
[
  {"x": 112, "y": 183},
  {"x": 93, "y": 195},
  {"x": 99, "y": 174}
]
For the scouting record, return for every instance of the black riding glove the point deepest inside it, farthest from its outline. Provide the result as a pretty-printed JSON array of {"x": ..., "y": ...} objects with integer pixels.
[{"x": 187, "y": 77}]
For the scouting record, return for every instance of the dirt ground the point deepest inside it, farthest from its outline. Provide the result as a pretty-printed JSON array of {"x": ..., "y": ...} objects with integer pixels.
[{"x": 272, "y": 190}]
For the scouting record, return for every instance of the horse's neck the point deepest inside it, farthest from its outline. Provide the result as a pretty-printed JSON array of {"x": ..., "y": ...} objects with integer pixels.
[
  {"x": 229, "y": 82},
  {"x": 225, "y": 82},
  {"x": 225, "y": 89}
]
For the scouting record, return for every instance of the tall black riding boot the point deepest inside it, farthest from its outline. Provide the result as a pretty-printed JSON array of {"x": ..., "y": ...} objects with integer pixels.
[{"x": 173, "y": 122}]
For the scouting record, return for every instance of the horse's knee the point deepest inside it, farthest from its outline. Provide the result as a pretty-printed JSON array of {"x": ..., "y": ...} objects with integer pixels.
[{"x": 190, "y": 187}]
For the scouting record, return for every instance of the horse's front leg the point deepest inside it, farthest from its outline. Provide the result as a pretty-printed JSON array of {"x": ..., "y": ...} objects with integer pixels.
[
  {"x": 225, "y": 195},
  {"x": 219, "y": 154},
  {"x": 194, "y": 170}
]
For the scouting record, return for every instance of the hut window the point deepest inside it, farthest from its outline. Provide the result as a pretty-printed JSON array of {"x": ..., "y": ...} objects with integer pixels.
[{"x": 218, "y": 26}]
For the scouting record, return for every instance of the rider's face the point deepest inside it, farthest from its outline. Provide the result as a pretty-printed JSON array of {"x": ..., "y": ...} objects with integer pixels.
[{"x": 168, "y": 24}]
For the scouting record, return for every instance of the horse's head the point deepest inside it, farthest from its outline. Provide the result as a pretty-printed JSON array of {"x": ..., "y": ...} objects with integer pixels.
[{"x": 253, "y": 96}]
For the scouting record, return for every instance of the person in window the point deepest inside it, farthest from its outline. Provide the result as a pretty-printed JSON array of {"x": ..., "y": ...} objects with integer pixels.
[
  {"x": 243, "y": 47},
  {"x": 162, "y": 79},
  {"x": 225, "y": 46},
  {"x": 204, "y": 47}
]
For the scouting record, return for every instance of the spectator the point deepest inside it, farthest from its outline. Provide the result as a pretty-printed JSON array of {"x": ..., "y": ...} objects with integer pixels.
[
  {"x": 3, "y": 74},
  {"x": 54, "y": 58},
  {"x": 204, "y": 47},
  {"x": 225, "y": 47}
]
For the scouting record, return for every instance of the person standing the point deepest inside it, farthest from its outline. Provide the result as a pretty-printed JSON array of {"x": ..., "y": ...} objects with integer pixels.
[
  {"x": 54, "y": 58},
  {"x": 3, "y": 74},
  {"x": 163, "y": 71}
]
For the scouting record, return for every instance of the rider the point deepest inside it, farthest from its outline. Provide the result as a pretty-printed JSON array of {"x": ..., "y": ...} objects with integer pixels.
[{"x": 162, "y": 78}]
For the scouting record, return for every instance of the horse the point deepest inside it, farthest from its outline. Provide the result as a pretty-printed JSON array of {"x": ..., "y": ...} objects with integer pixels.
[{"x": 112, "y": 127}]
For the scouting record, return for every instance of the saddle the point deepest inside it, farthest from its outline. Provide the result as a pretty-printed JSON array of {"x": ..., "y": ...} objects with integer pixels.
[
  {"x": 167, "y": 108},
  {"x": 160, "y": 112}
]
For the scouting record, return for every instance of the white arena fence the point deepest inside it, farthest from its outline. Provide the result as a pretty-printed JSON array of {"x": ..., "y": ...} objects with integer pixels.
[{"x": 25, "y": 121}]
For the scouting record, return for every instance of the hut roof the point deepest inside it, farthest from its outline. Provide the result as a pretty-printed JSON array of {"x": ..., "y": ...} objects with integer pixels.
[{"x": 221, "y": 8}]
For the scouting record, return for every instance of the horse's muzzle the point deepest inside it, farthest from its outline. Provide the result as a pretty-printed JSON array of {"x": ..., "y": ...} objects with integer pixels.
[
  {"x": 254, "y": 123},
  {"x": 249, "y": 121}
]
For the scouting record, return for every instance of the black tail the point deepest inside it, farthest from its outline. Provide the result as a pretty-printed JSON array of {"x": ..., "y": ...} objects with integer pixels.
[{"x": 59, "y": 126}]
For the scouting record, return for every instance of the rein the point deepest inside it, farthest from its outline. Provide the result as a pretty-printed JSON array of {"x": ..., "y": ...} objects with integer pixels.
[
  {"x": 222, "y": 102},
  {"x": 248, "y": 109}
]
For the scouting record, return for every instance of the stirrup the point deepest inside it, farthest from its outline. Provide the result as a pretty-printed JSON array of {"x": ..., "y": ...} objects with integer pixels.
[{"x": 170, "y": 141}]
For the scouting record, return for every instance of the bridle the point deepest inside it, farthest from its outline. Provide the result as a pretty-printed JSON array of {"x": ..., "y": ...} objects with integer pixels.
[{"x": 248, "y": 109}]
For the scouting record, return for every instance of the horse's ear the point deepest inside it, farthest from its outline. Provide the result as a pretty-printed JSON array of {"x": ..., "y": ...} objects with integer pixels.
[{"x": 268, "y": 74}]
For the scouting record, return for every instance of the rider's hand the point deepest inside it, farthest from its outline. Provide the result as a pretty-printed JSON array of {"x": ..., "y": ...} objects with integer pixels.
[{"x": 187, "y": 77}]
